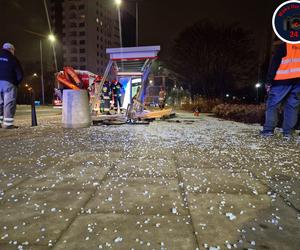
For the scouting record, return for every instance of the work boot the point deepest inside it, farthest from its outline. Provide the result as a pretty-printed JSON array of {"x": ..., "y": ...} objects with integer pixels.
[
  {"x": 287, "y": 137},
  {"x": 10, "y": 127},
  {"x": 266, "y": 134}
]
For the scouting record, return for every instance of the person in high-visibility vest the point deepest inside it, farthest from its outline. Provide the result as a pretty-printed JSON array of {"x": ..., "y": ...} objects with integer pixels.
[
  {"x": 161, "y": 98},
  {"x": 283, "y": 86},
  {"x": 106, "y": 97}
]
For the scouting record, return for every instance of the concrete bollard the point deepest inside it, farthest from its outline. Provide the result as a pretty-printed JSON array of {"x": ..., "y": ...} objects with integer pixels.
[{"x": 76, "y": 110}]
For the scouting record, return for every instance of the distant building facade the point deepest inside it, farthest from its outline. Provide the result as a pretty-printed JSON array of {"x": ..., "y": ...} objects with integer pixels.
[
  {"x": 85, "y": 28},
  {"x": 128, "y": 29}
]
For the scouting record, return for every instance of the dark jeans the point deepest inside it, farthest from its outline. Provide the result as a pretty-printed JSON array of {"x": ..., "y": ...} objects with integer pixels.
[
  {"x": 106, "y": 105},
  {"x": 289, "y": 95},
  {"x": 117, "y": 100}
]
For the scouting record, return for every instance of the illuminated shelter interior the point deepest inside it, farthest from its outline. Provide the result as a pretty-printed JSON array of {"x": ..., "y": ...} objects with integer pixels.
[{"x": 131, "y": 66}]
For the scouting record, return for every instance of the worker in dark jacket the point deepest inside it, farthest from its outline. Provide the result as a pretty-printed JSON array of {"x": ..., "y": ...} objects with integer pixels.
[
  {"x": 11, "y": 75},
  {"x": 283, "y": 86},
  {"x": 117, "y": 94}
]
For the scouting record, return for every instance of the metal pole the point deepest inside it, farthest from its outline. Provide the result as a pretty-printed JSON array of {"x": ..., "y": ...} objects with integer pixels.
[
  {"x": 42, "y": 73},
  {"x": 33, "y": 111},
  {"x": 120, "y": 26},
  {"x": 137, "y": 23},
  {"x": 54, "y": 55},
  {"x": 130, "y": 86},
  {"x": 50, "y": 29}
]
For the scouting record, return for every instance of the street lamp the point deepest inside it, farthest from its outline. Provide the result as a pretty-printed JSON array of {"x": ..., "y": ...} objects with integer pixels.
[
  {"x": 118, "y": 4},
  {"x": 136, "y": 23},
  {"x": 257, "y": 86},
  {"x": 51, "y": 38}
]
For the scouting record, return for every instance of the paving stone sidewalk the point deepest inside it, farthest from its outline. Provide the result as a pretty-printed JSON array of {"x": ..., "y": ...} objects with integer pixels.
[{"x": 188, "y": 183}]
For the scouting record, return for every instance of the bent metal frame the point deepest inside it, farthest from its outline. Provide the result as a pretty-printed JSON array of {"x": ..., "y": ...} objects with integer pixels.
[{"x": 128, "y": 62}]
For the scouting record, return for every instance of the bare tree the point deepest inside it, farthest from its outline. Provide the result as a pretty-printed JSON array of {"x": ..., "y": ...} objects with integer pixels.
[{"x": 213, "y": 59}]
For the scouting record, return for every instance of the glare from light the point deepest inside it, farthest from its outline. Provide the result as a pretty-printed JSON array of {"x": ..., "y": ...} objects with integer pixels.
[
  {"x": 227, "y": 95},
  {"x": 118, "y": 2},
  {"x": 137, "y": 80},
  {"x": 127, "y": 92},
  {"x": 35, "y": 75},
  {"x": 51, "y": 38},
  {"x": 257, "y": 85}
]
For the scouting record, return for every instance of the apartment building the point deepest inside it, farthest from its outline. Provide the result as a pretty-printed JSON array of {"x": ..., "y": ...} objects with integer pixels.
[{"x": 85, "y": 28}]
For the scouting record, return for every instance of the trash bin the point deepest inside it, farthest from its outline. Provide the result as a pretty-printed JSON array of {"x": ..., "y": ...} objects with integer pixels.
[{"x": 76, "y": 110}]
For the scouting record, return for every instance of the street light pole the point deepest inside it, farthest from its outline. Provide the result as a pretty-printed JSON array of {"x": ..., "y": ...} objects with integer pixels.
[
  {"x": 120, "y": 26},
  {"x": 42, "y": 73},
  {"x": 118, "y": 4},
  {"x": 137, "y": 23},
  {"x": 52, "y": 39}
]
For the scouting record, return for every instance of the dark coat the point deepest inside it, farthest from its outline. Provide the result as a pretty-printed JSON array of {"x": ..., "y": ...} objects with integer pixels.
[{"x": 10, "y": 68}]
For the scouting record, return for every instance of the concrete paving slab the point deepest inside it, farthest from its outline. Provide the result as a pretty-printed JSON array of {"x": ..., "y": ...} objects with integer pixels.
[
  {"x": 212, "y": 225},
  {"x": 108, "y": 231},
  {"x": 144, "y": 167},
  {"x": 137, "y": 196},
  {"x": 45, "y": 200},
  {"x": 22, "y": 224},
  {"x": 84, "y": 158},
  {"x": 221, "y": 181},
  {"x": 275, "y": 228},
  {"x": 10, "y": 182},
  {"x": 290, "y": 190},
  {"x": 206, "y": 158},
  {"x": 281, "y": 175},
  {"x": 211, "y": 155},
  {"x": 243, "y": 221},
  {"x": 85, "y": 176},
  {"x": 17, "y": 245},
  {"x": 44, "y": 183}
]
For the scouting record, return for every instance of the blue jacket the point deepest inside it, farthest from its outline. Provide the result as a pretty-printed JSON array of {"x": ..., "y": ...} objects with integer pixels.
[{"x": 10, "y": 68}]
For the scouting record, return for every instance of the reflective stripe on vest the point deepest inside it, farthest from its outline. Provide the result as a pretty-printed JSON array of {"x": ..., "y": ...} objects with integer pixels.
[
  {"x": 290, "y": 65},
  {"x": 293, "y": 60},
  {"x": 8, "y": 121}
]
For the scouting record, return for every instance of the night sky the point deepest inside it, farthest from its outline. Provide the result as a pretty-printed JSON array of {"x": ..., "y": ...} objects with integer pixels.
[{"x": 160, "y": 20}]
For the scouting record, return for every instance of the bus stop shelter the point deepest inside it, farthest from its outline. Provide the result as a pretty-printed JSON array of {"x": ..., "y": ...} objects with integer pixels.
[{"x": 131, "y": 66}]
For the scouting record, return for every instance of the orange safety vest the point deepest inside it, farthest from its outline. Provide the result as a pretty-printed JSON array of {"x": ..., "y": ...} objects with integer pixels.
[{"x": 290, "y": 65}]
